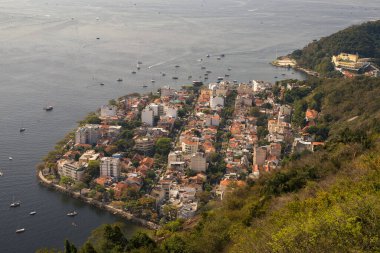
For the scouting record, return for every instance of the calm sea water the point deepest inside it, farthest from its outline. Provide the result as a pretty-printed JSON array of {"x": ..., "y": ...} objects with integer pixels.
[{"x": 50, "y": 54}]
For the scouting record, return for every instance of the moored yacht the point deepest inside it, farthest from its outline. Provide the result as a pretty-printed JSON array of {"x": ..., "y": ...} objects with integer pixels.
[
  {"x": 32, "y": 213},
  {"x": 15, "y": 204},
  {"x": 72, "y": 213},
  {"x": 20, "y": 230},
  {"x": 48, "y": 108}
]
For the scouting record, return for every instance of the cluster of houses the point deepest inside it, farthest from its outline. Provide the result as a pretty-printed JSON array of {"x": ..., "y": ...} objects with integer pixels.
[
  {"x": 245, "y": 150},
  {"x": 187, "y": 163},
  {"x": 96, "y": 142}
]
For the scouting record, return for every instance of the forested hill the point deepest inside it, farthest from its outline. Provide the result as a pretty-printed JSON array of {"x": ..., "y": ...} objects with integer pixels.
[{"x": 363, "y": 39}]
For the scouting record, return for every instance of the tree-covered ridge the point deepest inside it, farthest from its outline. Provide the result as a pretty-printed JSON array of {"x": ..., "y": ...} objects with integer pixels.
[{"x": 363, "y": 39}]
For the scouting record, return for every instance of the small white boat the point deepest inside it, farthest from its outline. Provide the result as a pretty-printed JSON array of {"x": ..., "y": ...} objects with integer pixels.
[
  {"x": 72, "y": 214},
  {"x": 33, "y": 213},
  {"x": 20, "y": 230},
  {"x": 1, "y": 174},
  {"x": 15, "y": 204},
  {"x": 208, "y": 56},
  {"x": 48, "y": 108},
  {"x": 10, "y": 158}
]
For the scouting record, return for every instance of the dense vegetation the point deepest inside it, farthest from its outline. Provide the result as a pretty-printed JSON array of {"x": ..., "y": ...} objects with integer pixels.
[{"x": 363, "y": 39}]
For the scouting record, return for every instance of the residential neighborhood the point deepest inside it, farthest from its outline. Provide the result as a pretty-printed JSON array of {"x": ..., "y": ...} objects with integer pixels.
[{"x": 163, "y": 156}]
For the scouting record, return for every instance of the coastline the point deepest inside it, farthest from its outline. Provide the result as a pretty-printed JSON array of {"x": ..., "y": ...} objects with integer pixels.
[
  {"x": 115, "y": 211},
  {"x": 285, "y": 62}
]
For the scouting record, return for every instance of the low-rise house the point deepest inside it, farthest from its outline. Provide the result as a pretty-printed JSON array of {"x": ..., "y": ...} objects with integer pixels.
[
  {"x": 71, "y": 169},
  {"x": 89, "y": 155},
  {"x": 144, "y": 144}
]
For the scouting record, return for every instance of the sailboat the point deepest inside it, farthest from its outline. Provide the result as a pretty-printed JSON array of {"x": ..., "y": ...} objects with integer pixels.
[
  {"x": 15, "y": 203},
  {"x": 22, "y": 128}
]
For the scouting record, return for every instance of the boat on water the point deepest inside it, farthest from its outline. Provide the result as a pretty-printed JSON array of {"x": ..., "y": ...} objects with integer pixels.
[
  {"x": 15, "y": 204},
  {"x": 101, "y": 84},
  {"x": 163, "y": 74},
  {"x": 208, "y": 56},
  {"x": 138, "y": 67},
  {"x": 20, "y": 230},
  {"x": 222, "y": 55},
  {"x": 203, "y": 67},
  {"x": 153, "y": 81},
  {"x": 33, "y": 213},
  {"x": 189, "y": 77},
  {"x": 139, "y": 62},
  {"x": 10, "y": 158},
  {"x": 275, "y": 77},
  {"x": 1, "y": 174},
  {"x": 74, "y": 224},
  {"x": 208, "y": 72},
  {"x": 218, "y": 58},
  {"x": 206, "y": 78},
  {"x": 175, "y": 78},
  {"x": 22, "y": 129},
  {"x": 220, "y": 78},
  {"x": 48, "y": 108},
  {"x": 177, "y": 66},
  {"x": 235, "y": 81},
  {"x": 119, "y": 80},
  {"x": 72, "y": 214},
  {"x": 226, "y": 75},
  {"x": 133, "y": 72},
  {"x": 229, "y": 69},
  {"x": 144, "y": 86}
]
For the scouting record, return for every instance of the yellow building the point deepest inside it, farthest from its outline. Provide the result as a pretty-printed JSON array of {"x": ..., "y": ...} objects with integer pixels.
[{"x": 347, "y": 61}]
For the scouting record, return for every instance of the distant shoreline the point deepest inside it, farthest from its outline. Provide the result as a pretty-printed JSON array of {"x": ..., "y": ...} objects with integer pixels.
[{"x": 287, "y": 62}]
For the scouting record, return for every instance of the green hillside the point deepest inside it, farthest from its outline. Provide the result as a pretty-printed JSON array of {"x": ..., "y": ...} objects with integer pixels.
[{"x": 363, "y": 39}]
